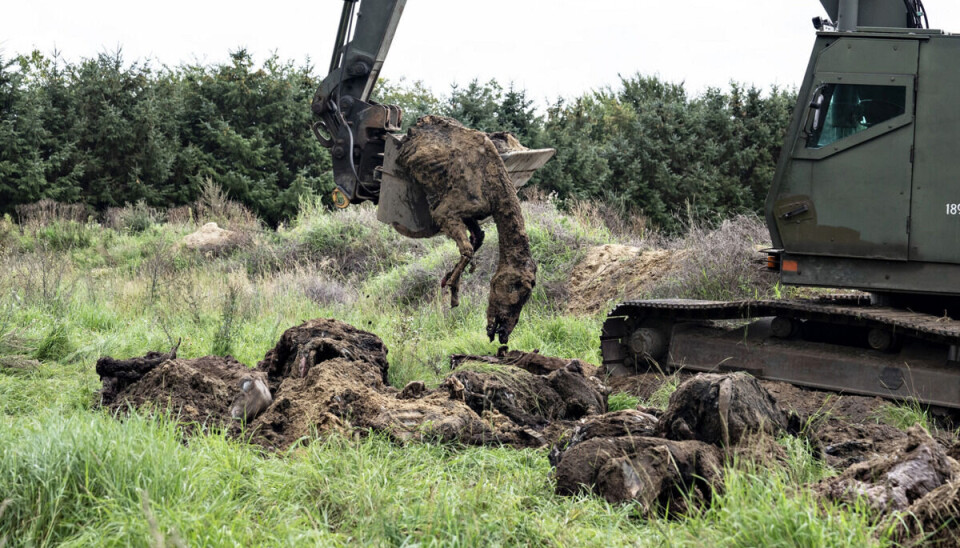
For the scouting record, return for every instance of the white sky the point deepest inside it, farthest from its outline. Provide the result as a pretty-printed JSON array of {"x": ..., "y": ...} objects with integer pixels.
[{"x": 549, "y": 47}]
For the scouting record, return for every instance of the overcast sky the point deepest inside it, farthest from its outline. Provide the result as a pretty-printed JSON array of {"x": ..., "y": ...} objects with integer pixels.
[{"x": 549, "y": 47}]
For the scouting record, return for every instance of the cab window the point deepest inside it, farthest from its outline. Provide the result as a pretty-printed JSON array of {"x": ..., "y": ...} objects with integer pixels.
[{"x": 842, "y": 110}]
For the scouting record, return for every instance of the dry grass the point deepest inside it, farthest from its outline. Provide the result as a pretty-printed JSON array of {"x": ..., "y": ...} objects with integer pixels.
[
  {"x": 47, "y": 212},
  {"x": 721, "y": 263},
  {"x": 215, "y": 206}
]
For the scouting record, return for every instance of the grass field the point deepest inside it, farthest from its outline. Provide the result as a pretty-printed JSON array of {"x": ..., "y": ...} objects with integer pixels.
[{"x": 71, "y": 474}]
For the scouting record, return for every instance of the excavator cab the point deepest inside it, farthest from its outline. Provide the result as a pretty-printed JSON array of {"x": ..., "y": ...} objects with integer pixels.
[{"x": 863, "y": 190}]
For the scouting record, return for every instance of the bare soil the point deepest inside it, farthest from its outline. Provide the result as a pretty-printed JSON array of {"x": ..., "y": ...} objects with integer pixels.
[
  {"x": 612, "y": 271},
  {"x": 897, "y": 479}
]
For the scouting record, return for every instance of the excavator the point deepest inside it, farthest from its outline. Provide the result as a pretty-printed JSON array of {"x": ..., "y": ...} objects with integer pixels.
[
  {"x": 864, "y": 202},
  {"x": 361, "y": 133}
]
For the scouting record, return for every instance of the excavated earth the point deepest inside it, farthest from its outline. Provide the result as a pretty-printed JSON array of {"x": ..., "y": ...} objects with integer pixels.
[
  {"x": 326, "y": 376},
  {"x": 613, "y": 270}
]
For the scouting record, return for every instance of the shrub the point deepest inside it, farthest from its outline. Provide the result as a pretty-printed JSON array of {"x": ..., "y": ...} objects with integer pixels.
[
  {"x": 721, "y": 263},
  {"x": 416, "y": 285},
  {"x": 351, "y": 242},
  {"x": 223, "y": 339},
  {"x": 134, "y": 218},
  {"x": 215, "y": 206}
]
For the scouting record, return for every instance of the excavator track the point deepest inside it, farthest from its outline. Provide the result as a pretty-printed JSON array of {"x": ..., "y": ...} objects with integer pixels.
[{"x": 838, "y": 343}]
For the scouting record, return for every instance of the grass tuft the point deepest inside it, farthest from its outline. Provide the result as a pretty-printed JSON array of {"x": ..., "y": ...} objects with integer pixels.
[
  {"x": 661, "y": 397},
  {"x": 621, "y": 401},
  {"x": 55, "y": 344},
  {"x": 904, "y": 415}
]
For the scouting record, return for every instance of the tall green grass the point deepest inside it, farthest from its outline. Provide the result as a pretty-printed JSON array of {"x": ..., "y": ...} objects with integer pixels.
[{"x": 73, "y": 475}]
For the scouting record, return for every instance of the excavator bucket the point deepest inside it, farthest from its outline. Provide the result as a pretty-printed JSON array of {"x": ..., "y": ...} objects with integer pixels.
[
  {"x": 521, "y": 164},
  {"x": 403, "y": 204}
]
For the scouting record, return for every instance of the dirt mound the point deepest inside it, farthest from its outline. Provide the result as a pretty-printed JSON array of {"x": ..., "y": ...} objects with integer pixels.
[
  {"x": 116, "y": 375},
  {"x": 895, "y": 481},
  {"x": 529, "y": 399},
  {"x": 721, "y": 409},
  {"x": 325, "y": 375},
  {"x": 210, "y": 238},
  {"x": 656, "y": 472},
  {"x": 200, "y": 392},
  {"x": 612, "y": 271},
  {"x": 638, "y": 455},
  {"x": 465, "y": 182},
  {"x": 534, "y": 362}
]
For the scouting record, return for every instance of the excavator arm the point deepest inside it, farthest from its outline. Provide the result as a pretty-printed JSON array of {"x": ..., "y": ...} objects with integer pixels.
[{"x": 349, "y": 124}]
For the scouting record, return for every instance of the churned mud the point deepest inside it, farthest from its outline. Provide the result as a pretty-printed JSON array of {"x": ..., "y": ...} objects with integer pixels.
[
  {"x": 465, "y": 182},
  {"x": 895, "y": 480}
]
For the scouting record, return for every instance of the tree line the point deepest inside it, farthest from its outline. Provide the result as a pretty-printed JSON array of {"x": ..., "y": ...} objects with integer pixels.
[{"x": 105, "y": 133}]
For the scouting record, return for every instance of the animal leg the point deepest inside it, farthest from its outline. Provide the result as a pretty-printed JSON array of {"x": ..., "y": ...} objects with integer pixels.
[
  {"x": 476, "y": 238},
  {"x": 456, "y": 230}
]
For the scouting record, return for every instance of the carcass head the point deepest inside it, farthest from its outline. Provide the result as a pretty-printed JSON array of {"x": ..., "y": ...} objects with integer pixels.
[{"x": 509, "y": 290}]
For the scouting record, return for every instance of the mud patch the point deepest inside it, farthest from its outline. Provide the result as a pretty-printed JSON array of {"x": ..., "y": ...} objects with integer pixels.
[
  {"x": 199, "y": 392},
  {"x": 842, "y": 428},
  {"x": 465, "y": 182},
  {"x": 534, "y": 362},
  {"x": 810, "y": 402},
  {"x": 327, "y": 375},
  {"x": 116, "y": 374},
  {"x": 934, "y": 520}
]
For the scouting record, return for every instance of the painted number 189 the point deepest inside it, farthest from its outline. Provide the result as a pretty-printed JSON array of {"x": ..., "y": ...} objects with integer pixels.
[{"x": 953, "y": 209}]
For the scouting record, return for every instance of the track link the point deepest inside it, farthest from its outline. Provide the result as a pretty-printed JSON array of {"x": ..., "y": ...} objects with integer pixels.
[{"x": 922, "y": 365}]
